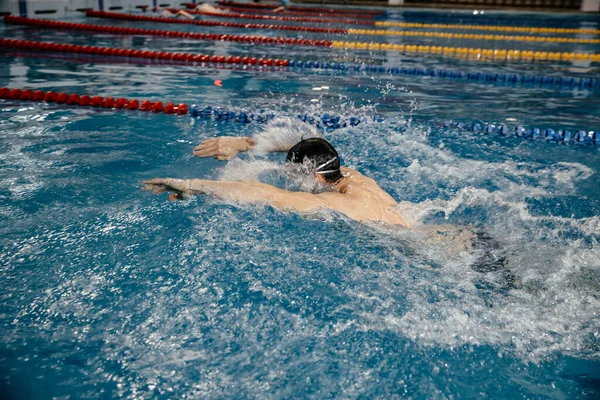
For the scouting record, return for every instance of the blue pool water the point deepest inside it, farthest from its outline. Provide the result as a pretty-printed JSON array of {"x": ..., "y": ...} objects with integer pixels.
[{"x": 113, "y": 292}]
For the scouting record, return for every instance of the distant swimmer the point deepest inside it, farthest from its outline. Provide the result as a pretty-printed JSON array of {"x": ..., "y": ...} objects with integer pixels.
[
  {"x": 166, "y": 13},
  {"x": 207, "y": 8},
  {"x": 203, "y": 7},
  {"x": 346, "y": 191},
  {"x": 284, "y": 6}
]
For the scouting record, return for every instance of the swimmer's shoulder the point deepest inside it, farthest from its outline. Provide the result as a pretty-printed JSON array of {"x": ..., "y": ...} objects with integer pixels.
[
  {"x": 355, "y": 175},
  {"x": 350, "y": 171},
  {"x": 360, "y": 180}
]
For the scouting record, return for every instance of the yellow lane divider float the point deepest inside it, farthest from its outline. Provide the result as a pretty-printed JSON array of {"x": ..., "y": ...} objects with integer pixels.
[
  {"x": 447, "y": 35},
  {"x": 471, "y": 53},
  {"x": 530, "y": 29}
]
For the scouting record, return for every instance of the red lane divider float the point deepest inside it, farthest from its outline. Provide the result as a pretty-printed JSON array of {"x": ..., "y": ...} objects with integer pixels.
[
  {"x": 313, "y": 14},
  {"x": 263, "y": 40},
  {"x": 275, "y": 17},
  {"x": 133, "y": 17},
  {"x": 96, "y": 101},
  {"x": 296, "y": 8},
  {"x": 145, "y": 54}
]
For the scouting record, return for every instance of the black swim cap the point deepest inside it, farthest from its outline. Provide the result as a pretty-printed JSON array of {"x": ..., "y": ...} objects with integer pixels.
[{"x": 321, "y": 153}]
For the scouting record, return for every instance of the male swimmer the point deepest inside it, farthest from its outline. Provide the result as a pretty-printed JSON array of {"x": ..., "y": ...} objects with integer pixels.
[
  {"x": 168, "y": 14},
  {"x": 202, "y": 7},
  {"x": 284, "y": 6},
  {"x": 208, "y": 8},
  {"x": 350, "y": 193}
]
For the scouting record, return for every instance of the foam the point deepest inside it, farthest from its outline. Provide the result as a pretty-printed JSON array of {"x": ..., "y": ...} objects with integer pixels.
[
  {"x": 550, "y": 311},
  {"x": 281, "y": 134},
  {"x": 209, "y": 300},
  {"x": 534, "y": 326},
  {"x": 529, "y": 322},
  {"x": 23, "y": 179},
  {"x": 523, "y": 322}
]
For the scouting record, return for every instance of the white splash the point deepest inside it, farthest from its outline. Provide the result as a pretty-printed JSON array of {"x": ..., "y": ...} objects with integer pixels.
[{"x": 282, "y": 133}]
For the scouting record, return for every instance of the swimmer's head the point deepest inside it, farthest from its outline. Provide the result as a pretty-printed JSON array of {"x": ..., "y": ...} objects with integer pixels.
[{"x": 321, "y": 155}]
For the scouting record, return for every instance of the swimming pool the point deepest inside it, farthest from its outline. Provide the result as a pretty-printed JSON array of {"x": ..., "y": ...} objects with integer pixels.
[{"x": 110, "y": 291}]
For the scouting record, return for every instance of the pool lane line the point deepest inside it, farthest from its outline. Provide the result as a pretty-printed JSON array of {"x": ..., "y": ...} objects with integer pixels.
[
  {"x": 305, "y": 9},
  {"x": 444, "y": 35},
  {"x": 502, "y": 28},
  {"x": 559, "y": 136},
  {"x": 243, "y": 25},
  {"x": 271, "y": 65},
  {"x": 382, "y": 32},
  {"x": 474, "y": 76},
  {"x": 130, "y": 53},
  {"x": 470, "y": 53},
  {"x": 379, "y": 32},
  {"x": 275, "y": 17},
  {"x": 324, "y": 121},
  {"x": 471, "y": 36},
  {"x": 95, "y": 102},
  {"x": 118, "y": 30}
]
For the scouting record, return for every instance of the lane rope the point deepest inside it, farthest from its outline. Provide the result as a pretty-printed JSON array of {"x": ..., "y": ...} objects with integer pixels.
[
  {"x": 143, "y": 54},
  {"x": 95, "y": 101},
  {"x": 324, "y": 121},
  {"x": 337, "y": 121},
  {"x": 561, "y": 82},
  {"x": 502, "y": 28},
  {"x": 467, "y": 53},
  {"x": 475, "y": 76},
  {"x": 243, "y": 25},
  {"x": 474, "y": 36},
  {"x": 563, "y": 136},
  {"x": 118, "y": 30},
  {"x": 471, "y": 53},
  {"x": 381, "y": 32}
]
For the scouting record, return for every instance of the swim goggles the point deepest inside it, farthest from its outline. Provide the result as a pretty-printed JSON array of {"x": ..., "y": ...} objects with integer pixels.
[{"x": 318, "y": 169}]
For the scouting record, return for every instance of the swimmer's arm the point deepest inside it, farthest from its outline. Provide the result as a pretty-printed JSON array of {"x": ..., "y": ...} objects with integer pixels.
[
  {"x": 227, "y": 147},
  {"x": 238, "y": 191},
  {"x": 224, "y": 147}
]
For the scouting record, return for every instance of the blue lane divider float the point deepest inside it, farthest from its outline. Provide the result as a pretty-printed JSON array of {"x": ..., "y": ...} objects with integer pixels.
[
  {"x": 326, "y": 121},
  {"x": 549, "y": 135},
  {"x": 541, "y": 80}
]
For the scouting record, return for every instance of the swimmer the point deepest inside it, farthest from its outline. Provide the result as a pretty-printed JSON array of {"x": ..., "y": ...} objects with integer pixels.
[
  {"x": 284, "y": 6},
  {"x": 169, "y": 14},
  {"x": 347, "y": 191},
  {"x": 203, "y": 7},
  {"x": 207, "y": 8},
  {"x": 351, "y": 193}
]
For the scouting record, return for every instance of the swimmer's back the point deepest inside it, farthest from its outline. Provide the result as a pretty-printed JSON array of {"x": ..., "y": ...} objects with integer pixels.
[{"x": 363, "y": 200}]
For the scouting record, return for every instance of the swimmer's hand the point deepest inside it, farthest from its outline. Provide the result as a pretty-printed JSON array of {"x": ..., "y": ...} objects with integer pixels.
[
  {"x": 224, "y": 147},
  {"x": 181, "y": 187}
]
